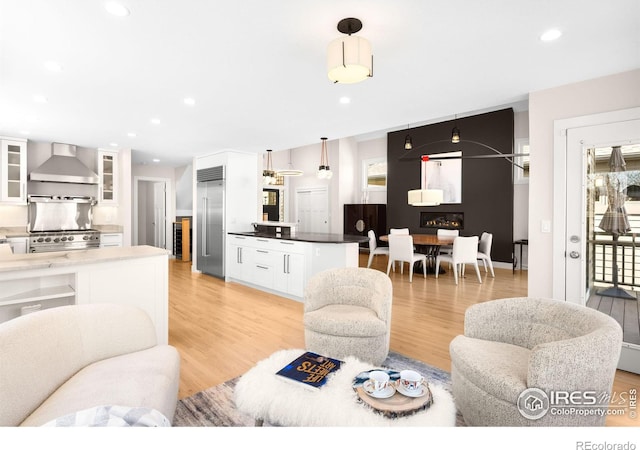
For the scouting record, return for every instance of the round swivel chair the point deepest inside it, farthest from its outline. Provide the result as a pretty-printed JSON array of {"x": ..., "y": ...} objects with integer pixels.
[{"x": 347, "y": 312}]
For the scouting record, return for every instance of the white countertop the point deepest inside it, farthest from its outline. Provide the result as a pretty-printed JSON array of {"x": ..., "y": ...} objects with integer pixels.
[{"x": 30, "y": 261}]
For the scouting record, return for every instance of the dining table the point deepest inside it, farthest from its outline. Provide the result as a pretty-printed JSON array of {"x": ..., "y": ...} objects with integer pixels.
[{"x": 429, "y": 245}]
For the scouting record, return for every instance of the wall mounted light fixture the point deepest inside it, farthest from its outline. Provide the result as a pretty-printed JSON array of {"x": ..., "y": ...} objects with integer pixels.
[{"x": 349, "y": 58}]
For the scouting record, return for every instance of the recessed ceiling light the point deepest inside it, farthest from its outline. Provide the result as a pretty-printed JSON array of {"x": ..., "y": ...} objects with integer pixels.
[
  {"x": 113, "y": 144},
  {"x": 132, "y": 135},
  {"x": 117, "y": 9},
  {"x": 155, "y": 121},
  {"x": 53, "y": 66},
  {"x": 345, "y": 100},
  {"x": 550, "y": 35},
  {"x": 189, "y": 101},
  {"x": 40, "y": 98},
  {"x": 156, "y": 160}
]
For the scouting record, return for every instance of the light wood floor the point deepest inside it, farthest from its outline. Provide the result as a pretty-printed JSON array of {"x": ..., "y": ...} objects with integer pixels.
[{"x": 222, "y": 329}]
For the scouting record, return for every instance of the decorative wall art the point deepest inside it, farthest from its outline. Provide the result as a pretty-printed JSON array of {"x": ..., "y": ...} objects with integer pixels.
[{"x": 444, "y": 174}]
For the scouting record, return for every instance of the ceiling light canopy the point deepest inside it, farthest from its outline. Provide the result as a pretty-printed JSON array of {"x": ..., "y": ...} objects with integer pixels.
[{"x": 349, "y": 58}]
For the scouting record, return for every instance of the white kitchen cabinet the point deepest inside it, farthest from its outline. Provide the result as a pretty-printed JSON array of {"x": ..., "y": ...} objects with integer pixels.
[
  {"x": 284, "y": 266},
  {"x": 108, "y": 174},
  {"x": 110, "y": 240},
  {"x": 13, "y": 170},
  {"x": 18, "y": 245},
  {"x": 240, "y": 257},
  {"x": 289, "y": 274}
]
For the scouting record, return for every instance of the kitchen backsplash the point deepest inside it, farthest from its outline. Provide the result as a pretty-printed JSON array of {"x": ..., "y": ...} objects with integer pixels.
[{"x": 13, "y": 216}]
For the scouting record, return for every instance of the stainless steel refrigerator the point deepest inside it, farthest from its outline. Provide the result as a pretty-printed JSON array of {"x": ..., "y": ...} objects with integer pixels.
[{"x": 211, "y": 233}]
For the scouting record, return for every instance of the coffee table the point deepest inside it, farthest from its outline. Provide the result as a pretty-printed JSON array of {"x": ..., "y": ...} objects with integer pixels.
[{"x": 268, "y": 397}]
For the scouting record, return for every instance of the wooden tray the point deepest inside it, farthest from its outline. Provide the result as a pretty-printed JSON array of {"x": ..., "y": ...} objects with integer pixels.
[{"x": 397, "y": 405}]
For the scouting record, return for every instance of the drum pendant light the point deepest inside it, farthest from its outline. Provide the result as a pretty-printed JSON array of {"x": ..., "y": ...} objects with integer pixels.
[{"x": 349, "y": 58}]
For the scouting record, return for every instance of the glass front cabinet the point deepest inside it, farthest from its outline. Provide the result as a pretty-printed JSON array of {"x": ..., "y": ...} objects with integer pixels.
[
  {"x": 13, "y": 170},
  {"x": 108, "y": 173}
]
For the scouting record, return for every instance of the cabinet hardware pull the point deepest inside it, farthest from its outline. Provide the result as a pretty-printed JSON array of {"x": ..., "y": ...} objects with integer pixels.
[{"x": 261, "y": 267}]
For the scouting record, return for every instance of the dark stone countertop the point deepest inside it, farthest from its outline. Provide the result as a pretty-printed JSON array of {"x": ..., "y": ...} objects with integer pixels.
[{"x": 321, "y": 238}]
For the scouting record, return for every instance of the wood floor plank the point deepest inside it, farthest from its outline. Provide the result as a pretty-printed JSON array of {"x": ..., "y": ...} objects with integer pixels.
[
  {"x": 631, "y": 327},
  {"x": 222, "y": 329}
]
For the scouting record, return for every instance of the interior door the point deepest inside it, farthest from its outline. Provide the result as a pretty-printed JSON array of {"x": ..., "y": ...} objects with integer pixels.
[
  {"x": 312, "y": 210},
  {"x": 578, "y": 232},
  {"x": 159, "y": 215}
]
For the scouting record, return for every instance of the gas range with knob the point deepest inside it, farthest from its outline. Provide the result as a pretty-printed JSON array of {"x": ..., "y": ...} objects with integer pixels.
[{"x": 57, "y": 241}]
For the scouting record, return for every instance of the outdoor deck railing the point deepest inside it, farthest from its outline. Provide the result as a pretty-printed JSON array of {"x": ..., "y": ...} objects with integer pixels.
[{"x": 628, "y": 259}]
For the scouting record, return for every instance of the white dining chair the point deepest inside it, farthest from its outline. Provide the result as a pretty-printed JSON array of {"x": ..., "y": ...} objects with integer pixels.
[
  {"x": 399, "y": 231},
  {"x": 401, "y": 250},
  {"x": 374, "y": 249},
  {"x": 465, "y": 251},
  {"x": 442, "y": 232},
  {"x": 484, "y": 251}
]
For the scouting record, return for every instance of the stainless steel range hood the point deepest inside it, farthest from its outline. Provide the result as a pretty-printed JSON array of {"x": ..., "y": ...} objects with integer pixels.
[{"x": 64, "y": 167}]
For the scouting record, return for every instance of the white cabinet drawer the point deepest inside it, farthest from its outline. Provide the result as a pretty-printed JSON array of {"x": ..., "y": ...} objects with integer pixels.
[
  {"x": 110, "y": 239},
  {"x": 291, "y": 246},
  {"x": 263, "y": 275},
  {"x": 263, "y": 256}
]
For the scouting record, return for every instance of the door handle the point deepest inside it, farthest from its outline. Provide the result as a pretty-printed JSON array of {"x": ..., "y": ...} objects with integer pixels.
[
  {"x": 574, "y": 255},
  {"x": 204, "y": 227}
]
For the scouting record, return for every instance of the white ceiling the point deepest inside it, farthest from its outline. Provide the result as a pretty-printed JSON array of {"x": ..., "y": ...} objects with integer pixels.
[{"x": 256, "y": 68}]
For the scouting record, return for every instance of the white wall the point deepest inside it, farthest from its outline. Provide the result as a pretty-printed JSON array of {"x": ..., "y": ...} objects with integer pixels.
[
  {"x": 184, "y": 190},
  {"x": 371, "y": 149},
  {"x": 347, "y": 187},
  {"x": 611, "y": 93},
  {"x": 521, "y": 191}
]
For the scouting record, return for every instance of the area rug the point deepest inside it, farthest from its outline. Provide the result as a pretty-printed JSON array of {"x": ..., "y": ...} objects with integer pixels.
[{"x": 214, "y": 407}]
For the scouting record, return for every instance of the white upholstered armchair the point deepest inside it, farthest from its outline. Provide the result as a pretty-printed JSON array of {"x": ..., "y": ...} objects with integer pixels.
[
  {"x": 347, "y": 312},
  {"x": 514, "y": 344}
]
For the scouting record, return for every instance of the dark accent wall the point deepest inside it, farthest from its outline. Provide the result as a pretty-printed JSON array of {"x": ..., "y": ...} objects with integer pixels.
[{"x": 487, "y": 184}]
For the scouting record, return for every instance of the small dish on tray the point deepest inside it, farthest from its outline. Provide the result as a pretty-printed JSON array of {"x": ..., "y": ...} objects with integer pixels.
[
  {"x": 420, "y": 392},
  {"x": 384, "y": 393}
]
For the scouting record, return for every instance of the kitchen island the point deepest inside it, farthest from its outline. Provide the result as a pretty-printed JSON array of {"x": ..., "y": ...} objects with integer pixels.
[
  {"x": 283, "y": 264},
  {"x": 128, "y": 275}
]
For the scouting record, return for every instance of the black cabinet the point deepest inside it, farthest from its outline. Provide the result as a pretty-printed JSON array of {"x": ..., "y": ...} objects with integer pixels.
[{"x": 360, "y": 218}]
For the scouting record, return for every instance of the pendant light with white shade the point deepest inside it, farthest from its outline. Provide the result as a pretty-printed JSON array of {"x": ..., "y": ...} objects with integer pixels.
[{"x": 349, "y": 58}]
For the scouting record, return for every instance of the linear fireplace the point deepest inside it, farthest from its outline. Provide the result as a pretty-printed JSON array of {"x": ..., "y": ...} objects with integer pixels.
[{"x": 446, "y": 220}]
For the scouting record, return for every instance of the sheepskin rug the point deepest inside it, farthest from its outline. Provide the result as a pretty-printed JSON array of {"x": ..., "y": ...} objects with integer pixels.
[{"x": 262, "y": 394}]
